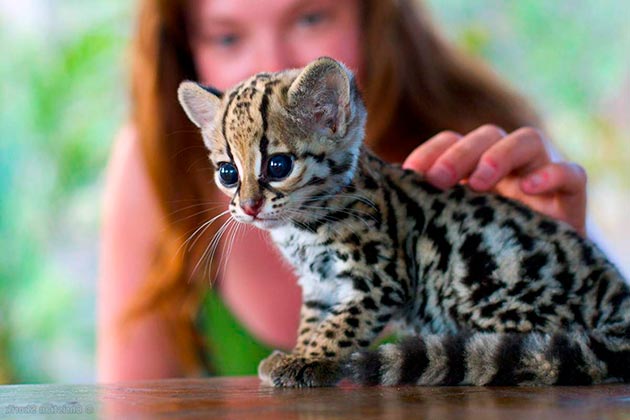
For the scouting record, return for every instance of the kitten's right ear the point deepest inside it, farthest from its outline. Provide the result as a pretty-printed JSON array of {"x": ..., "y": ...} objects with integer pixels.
[{"x": 201, "y": 104}]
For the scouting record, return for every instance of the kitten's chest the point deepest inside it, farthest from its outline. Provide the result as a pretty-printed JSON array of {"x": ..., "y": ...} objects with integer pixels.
[
  {"x": 308, "y": 252},
  {"x": 317, "y": 261}
]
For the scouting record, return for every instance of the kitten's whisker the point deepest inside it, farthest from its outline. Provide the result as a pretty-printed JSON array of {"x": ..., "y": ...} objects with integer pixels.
[
  {"x": 201, "y": 229},
  {"x": 212, "y": 209},
  {"x": 197, "y": 231},
  {"x": 215, "y": 239},
  {"x": 216, "y": 242}
]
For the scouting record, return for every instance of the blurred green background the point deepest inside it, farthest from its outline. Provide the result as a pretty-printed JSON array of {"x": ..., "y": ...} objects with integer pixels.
[{"x": 64, "y": 94}]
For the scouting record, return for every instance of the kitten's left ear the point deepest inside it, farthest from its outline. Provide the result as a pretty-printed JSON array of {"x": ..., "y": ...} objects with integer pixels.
[
  {"x": 320, "y": 97},
  {"x": 200, "y": 103}
]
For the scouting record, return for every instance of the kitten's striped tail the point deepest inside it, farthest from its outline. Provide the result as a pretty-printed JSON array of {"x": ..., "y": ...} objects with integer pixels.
[{"x": 495, "y": 359}]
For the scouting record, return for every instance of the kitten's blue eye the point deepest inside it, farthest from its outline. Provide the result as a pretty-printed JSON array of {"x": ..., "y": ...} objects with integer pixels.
[
  {"x": 228, "y": 174},
  {"x": 279, "y": 166}
]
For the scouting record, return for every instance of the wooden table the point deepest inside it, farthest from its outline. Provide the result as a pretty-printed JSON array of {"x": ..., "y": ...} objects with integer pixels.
[{"x": 244, "y": 398}]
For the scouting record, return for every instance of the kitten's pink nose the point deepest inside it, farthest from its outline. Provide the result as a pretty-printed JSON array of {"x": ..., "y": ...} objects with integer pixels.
[{"x": 252, "y": 206}]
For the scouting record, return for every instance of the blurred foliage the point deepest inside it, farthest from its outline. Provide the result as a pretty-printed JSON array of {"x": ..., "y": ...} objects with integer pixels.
[
  {"x": 62, "y": 99},
  {"x": 63, "y": 95}
]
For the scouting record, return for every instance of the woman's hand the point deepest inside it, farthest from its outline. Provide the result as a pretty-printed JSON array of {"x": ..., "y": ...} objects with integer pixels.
[{"x": 515, "y": 165}]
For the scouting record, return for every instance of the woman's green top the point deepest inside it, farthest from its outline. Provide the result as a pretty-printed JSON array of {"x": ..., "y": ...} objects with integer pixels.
[{"x": 231, "y": 350}]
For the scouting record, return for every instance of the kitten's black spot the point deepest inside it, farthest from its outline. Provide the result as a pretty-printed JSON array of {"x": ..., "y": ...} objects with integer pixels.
[
  {"x": 547, "y": 227},
  {"x": 378, "y": 329},
  {"x": 459, "y": 216},
  {"x": 376, "y": 280},
  {"x": 489, "y": 310},
  {"x": 304, "y": 330},
  {"x": 329, "y": 334},
  {"x": 390, "y": 270},
  {"x": 414, "y": 211},
  {"x": 533, "y": 264},
  {"x": 479, "y": 201},
  {"x": 617, "y": 300},
  {"x": 384, "y": 318},
  {"x": 339, "y": 168},
  {"x": 525, "y": 241},
  {"x": 587, "y": 254},
  {"x": 265, "y": 185},
  {"x": 358, "y": 282},
  {"x": 510, "y": 315},
  {"x": 369, "y": 183},
  {"x": 392, "y": 227},
  {"x": 536, "y": 319},
  {"x": 314, "y": 181},
  {"x": 363, "y": 343},
  {"x": 387, "y": 300},
  {"x": 368, "y": 303},
  {"x": 330, "y": 354},
  {"x": 481, "y": 267},
  {"x": 344, "y": 343},
  {"x": 437, "y": 234},
  {"x": 353, "y": 239},
  {"x": 561, "y": 256},
  {"x": 319, "y": 157},
  {"x": 457, "y": 193},
  {"x": 316, "y": 304},
  {"x": 353, "y": 310},
  {"x": 305, "y": 342},
  {"x": 530, "y": 296},
  {"x": 370, "y": 251},
  {"x": 353, "y": 322},
  {"x": 484, "y": 215},
  {"x": 263, "y": 146},
  {"x": 437, "y": 207},
  {"x": 602, "y": 287},
  {"x": 349, "y": 333}
]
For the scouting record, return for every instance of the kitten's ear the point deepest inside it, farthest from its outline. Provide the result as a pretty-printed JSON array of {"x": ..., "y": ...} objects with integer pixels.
[
  {"x": 320, "y": 96},
  {"x": 200, "y": 103}
]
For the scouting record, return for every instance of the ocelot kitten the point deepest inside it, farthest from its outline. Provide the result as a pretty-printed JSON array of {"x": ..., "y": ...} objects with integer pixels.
[{"x": 488, "y": 291}]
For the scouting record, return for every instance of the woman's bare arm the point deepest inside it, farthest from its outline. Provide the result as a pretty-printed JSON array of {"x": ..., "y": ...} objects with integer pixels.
[{"x": 131, "y": 223}]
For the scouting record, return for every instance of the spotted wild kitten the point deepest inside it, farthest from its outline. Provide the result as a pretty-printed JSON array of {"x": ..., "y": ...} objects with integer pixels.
[{"x": 488, "y": 291}]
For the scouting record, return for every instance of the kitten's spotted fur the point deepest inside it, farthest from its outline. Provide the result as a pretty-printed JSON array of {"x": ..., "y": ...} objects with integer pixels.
[{"x": 489, "y": 291}]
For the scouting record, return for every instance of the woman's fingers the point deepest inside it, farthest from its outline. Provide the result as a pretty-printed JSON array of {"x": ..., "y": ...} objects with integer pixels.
[
  {"x": 425, "y": 155},
  {"x": 563, "y": 178},
  {"x": 459, "y": 160},
  {"x": 520, "y": 152}
]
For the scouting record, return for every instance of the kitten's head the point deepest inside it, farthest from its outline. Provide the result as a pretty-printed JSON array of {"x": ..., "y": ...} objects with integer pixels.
[{"x": 281, "y": 141}]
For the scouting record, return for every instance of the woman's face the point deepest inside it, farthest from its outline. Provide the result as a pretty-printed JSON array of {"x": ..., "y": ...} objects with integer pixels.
[{"x": 233, "y": 39}]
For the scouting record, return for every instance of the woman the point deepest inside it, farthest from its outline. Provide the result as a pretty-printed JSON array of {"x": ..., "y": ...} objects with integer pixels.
[{"x": 160, "y": 189}]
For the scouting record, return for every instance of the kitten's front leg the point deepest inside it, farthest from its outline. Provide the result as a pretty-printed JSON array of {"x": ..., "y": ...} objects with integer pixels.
[{"x": 328, "y": 335}]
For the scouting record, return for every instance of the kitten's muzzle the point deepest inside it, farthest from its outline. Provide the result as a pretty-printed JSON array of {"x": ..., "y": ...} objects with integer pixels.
[{"x": 252, "y": 206}]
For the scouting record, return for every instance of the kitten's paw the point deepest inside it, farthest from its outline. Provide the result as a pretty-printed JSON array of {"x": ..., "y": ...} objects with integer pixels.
[
  {"x": 292, "y": 371},
  {"x": 268, "y": 364}
]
